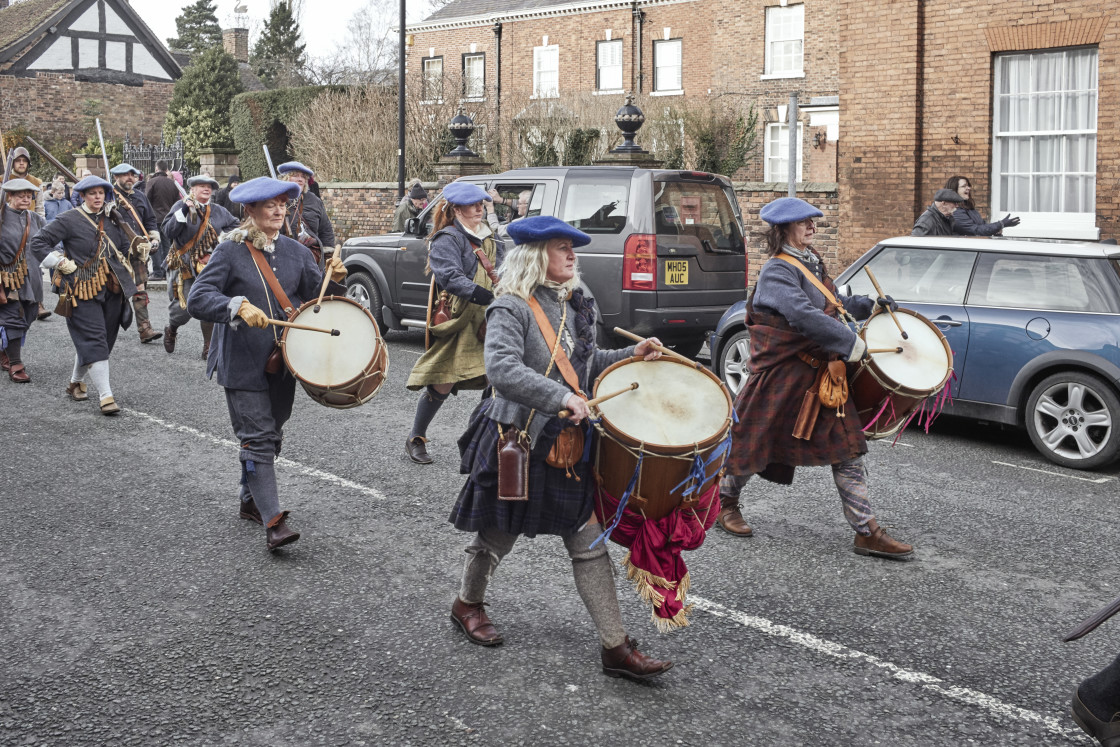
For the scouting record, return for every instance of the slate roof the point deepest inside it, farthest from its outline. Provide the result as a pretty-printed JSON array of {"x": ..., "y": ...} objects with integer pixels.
[
  {"x": 465, "y": 8},
  {"x": 19, "y": 21}
]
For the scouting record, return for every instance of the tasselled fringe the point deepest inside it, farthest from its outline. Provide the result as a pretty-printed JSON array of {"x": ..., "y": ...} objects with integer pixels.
[{"x": 647, "y": 584}]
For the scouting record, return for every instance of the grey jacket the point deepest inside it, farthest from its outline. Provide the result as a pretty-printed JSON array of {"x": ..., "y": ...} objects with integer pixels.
[
  {"x": 932, "y": 223},
  {"x": 517, "y": 356},
  {"x": 454, "y": 262}
]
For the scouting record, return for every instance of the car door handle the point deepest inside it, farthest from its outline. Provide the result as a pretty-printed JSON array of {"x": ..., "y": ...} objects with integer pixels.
[{"x": 947, "y": 322}]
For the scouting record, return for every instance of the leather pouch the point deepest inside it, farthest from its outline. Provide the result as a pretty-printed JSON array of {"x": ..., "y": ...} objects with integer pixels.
[
  {"x": 441, "y": 313},
  {"x": 275, "y": 362},
  {"x": 513, "y": 464},
  {"x": 810, "y": 408},
  {"x": 112, "y": 284},
  {"x": 833, "y": 390},
  {"x": 567, "y": 449}
]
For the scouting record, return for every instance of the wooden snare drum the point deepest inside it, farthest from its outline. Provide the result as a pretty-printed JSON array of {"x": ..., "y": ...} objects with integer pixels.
[
  {"x": 887, "y": 387},
  {"x": 344, "y": 371},
  {"x": 679, "y": 413}
]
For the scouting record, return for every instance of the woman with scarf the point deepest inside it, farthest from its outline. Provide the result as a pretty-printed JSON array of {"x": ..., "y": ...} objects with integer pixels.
[
  {"x": 94, "y": 282},
  {"x": 795, "y": 329},
  {"x": 540, "y": 321},
  {"x": 463, "y": 255},
  {"x": 254, "y": 275}
]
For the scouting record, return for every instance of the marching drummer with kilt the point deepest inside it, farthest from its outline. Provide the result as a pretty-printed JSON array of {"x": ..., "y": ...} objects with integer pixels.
[
  {"x": 21, "y": 285},
  {"x": 534, "y": 378},
  {"x": 256, "y": 275},
  {"x": 93, "y": 281},
  {"x": 795, "y": 331},
  {"x": 463, "y": 254}
]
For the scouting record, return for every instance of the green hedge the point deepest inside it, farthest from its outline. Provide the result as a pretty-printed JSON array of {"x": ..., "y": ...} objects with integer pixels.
[{"x": 263, "y": 117}]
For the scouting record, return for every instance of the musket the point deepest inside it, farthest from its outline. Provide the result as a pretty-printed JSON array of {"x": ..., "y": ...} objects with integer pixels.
[
  {"x": 268, "y": 158},
  {"x": 104, "y": 154},
  {"x": 132, "y": 236},
  {"x": 52, "y": 160}
]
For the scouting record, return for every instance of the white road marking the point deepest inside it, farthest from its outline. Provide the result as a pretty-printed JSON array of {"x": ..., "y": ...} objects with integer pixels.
[
  {"x": 994, "y": 706},
  {"x": 888, "y": 443},
  {"x": 341, "y": 482},
  {"x": 1098, "y": 481}
]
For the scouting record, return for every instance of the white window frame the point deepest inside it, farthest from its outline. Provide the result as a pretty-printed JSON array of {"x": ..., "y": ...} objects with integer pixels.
[
  {"x": 599, "y": 66},
  {"x": 425, "y": 77},
  {"x": 478, "y": 94},
  {"x": 541, "y": 57},
  {"x": 659, "y": 48},
  {"x": 785, "y": 29},
  {"x": 1066, "y": 225},
  {"x": 779, "y": 151}
]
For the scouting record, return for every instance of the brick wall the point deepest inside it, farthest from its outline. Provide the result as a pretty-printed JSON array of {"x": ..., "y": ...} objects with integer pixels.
[
  {"x": 362, "y": 208},
  {"x": 753, "y": 195},
  {"x": 51, "y": 104}
]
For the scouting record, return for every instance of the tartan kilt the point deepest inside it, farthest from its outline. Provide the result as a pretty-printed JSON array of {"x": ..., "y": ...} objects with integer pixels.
[{"x": 557, "y": 504}]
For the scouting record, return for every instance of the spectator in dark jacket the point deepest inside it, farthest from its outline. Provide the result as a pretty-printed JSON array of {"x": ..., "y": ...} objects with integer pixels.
[
  {"x": 967, "y": 220},
  {"x": 57, "y": 201},
  {"x": 162, "y": 194},
  {"x": 937, "y": 220},
  {"x": 222, "y": 198}
]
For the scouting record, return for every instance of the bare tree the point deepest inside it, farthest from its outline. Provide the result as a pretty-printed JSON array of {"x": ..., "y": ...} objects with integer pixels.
[{"x": 368, "y": 52}]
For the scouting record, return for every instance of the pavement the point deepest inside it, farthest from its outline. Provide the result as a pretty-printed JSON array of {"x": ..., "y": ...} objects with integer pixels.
[{"x": 138, "y": 609}]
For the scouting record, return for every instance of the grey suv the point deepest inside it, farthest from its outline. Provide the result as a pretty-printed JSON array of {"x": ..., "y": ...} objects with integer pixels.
[{"x": 666, "y": 256}]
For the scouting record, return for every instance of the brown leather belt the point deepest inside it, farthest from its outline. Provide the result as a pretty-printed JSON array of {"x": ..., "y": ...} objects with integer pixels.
[{"x": 813, "y": 362}]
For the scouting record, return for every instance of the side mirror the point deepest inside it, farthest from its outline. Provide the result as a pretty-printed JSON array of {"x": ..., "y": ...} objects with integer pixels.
[
  {"x": 844, "y": 290},
  {"x": 413, "y": 226}
]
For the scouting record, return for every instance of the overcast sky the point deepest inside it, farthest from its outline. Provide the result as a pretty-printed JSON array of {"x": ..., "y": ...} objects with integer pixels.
[{"x": 323, "y": 22}]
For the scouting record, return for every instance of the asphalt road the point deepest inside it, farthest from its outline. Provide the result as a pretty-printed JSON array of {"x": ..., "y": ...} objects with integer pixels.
[{"x": 138, "y": 609}]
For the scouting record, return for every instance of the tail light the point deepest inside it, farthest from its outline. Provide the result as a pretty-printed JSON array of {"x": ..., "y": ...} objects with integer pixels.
[{"x": 639, "y": 262}]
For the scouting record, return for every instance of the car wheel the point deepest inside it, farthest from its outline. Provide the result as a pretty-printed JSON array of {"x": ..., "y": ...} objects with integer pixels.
[
  {"x": 362, "y": 288},
  {"x": 1074, "y": 420},
  {"x": 689, "y": 348},
  {"x": 733, "y": 361}
]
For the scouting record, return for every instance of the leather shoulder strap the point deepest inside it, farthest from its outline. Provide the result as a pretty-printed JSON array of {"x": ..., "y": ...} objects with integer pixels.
[
  {"x": 562, "y": 363},
  {"x": 812, "y": 279},
  {"x": 487, "y": 265},
  {"x": 270, "y": 278}
]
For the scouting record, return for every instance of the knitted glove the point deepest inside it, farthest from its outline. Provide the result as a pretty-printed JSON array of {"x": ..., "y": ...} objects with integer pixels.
[{"x": 481, "y": 296}]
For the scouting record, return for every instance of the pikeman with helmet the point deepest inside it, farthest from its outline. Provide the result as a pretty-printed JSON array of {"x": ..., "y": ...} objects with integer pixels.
[
  {"x": 21, "y": 169},
  {"x": 192, "y": 226},
  {"x": 94, "y": 282},
  {"x": 21, "y": 287},
  {"x": 137, "y": 212},
  {"x": 307, "y": 221}
]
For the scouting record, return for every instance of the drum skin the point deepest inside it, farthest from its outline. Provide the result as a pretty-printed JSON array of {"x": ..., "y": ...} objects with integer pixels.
[
  {"x": 906, "y": 379},
  {"x": 678, "y": 410},
  {"x": 340, "y": 372}
]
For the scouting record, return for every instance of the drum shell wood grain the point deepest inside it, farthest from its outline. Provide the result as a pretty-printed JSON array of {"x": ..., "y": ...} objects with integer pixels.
[{"x": 661, "y": 470}]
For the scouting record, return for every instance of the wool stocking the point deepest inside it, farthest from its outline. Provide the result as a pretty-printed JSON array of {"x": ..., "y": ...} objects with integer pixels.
[
  {"x": 15, "y": 344},
  {"x": 80, "y": 371},
  {"x": 99, "y": 373},
  {"x": 426, "y": 409},
  {"x": 595, "y": 584},
  {"x": 851, "y": 482},
  {"x": 260, "y": 479}
]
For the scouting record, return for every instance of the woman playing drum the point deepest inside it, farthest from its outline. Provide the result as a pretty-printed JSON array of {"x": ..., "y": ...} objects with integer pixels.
[
  {"x": 795, "y": 330},
  {"x": 463, "y": 254},
  {"x": 539, "y": 294},
  {"x": 236, "y": 288}
]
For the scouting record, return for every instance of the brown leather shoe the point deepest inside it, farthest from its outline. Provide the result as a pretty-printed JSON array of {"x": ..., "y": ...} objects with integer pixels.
[
  {"x": 76, "y": 390},
  {"x": 625, "y": 660},
  {"x": 43, "y": 313},
  {"x": 474, "y": 622},
  {"x": 170, "y": 335},
  {"x": 278, "y": 533},
  {"x": 18, "y": 374},
  {"x": 250, "y": 511},
  {"x": 417, "y": 450},
  {"x": 207, "y": 333},
  {"x": 1105, "y": 732},
  {"x": 147, "y": 334},
  {"x": 880, "y": 544},
  {"x": 731, "y": 520},
  {"x": 109, "y": 406}
]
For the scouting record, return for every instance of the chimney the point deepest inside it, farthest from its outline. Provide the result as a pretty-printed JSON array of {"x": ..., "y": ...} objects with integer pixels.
[{"x": 235, "y": 41}]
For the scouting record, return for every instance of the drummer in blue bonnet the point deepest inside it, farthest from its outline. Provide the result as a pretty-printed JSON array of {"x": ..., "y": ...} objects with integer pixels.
[
  {"x": 538, "y": 297},
  {"x": 795, "y": 328},
  {"x": 307, "y": 221},
  {"x": 257, "y": 274}
]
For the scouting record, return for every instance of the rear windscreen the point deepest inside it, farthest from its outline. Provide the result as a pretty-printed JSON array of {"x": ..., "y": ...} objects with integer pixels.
[
  {"x": 597, "y": 207},
  {"x": 700, "y": 214}
]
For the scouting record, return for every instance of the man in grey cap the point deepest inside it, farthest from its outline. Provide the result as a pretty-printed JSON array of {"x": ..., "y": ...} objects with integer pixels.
[
  {"x": 192, "y": 227},
  {"x": 410, "y": 206},
  {"x": 937, "y": 220},
  {"x": 137, "y": 212},
  {"x": 21, "y": 284}
]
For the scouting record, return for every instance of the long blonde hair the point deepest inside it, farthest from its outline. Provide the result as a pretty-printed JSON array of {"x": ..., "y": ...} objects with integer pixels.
[{"x": 525, "y": 267}]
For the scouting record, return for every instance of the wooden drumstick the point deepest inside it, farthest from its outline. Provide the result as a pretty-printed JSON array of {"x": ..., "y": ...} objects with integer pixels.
[
  {"x": 879, "y": 290},
  {"x": 278, "y": 323},
  {"x": 566, "y": 413},
  {"x": 872, "y": 351},
  {"x": 326, "y": 280},
  {"x": 662, "y": 348}
]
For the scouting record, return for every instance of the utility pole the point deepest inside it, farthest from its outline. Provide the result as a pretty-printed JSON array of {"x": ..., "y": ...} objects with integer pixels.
[
  {"x": 400, "y": 104},
  {"x": 794, "y": 141}
]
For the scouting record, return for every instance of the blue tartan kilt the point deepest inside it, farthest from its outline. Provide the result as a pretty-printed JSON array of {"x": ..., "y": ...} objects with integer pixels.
[{"x": 558, "y": 504}]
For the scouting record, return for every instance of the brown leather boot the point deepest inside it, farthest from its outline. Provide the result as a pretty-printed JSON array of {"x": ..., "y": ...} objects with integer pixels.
[
  {"x": 207, "y": 333},
  {"x": 625, "y": 660},
  {"x": 43, "y": 313},
  {"x": 143, "y": 321},
  {"x": 170, "y": 335},
  {"x": 76, "y": 390},
  {"x": 278, "y": 533},
  {"x": 474, "y": 622},
  {"x": 880, "y": 544},
  {"x": 4, "y": 362},
  {"x": 250, "y": 511},
  {"x": 18, "y": 374},
  {"x": 731, "y": 520}
]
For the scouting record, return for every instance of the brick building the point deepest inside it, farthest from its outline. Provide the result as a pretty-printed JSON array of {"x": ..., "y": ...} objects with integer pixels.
[{"x": 58, "y": 56}]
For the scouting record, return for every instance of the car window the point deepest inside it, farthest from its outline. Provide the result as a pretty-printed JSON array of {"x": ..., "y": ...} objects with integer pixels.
[
  {"x": 698, "y": 213},
  {"x": 598, "y": 207},
  {"x": 918, "y": 275},
  {"x": 514, "y": 196},
  {"x": 1024, "y": 281}
]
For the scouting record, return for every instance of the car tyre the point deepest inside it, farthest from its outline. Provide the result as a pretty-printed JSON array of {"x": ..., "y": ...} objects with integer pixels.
[
  {"x": 689, "y": 348},
  {"x": 734, "y": 358},
  {"x": 1074, "y": 420},
  {"x": 362, "y": 288}
]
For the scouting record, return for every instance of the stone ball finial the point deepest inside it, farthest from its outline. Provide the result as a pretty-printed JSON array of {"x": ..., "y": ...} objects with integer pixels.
[
  {"x": 461, "y": 127},
  {"x": 629, "y": 120}
]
